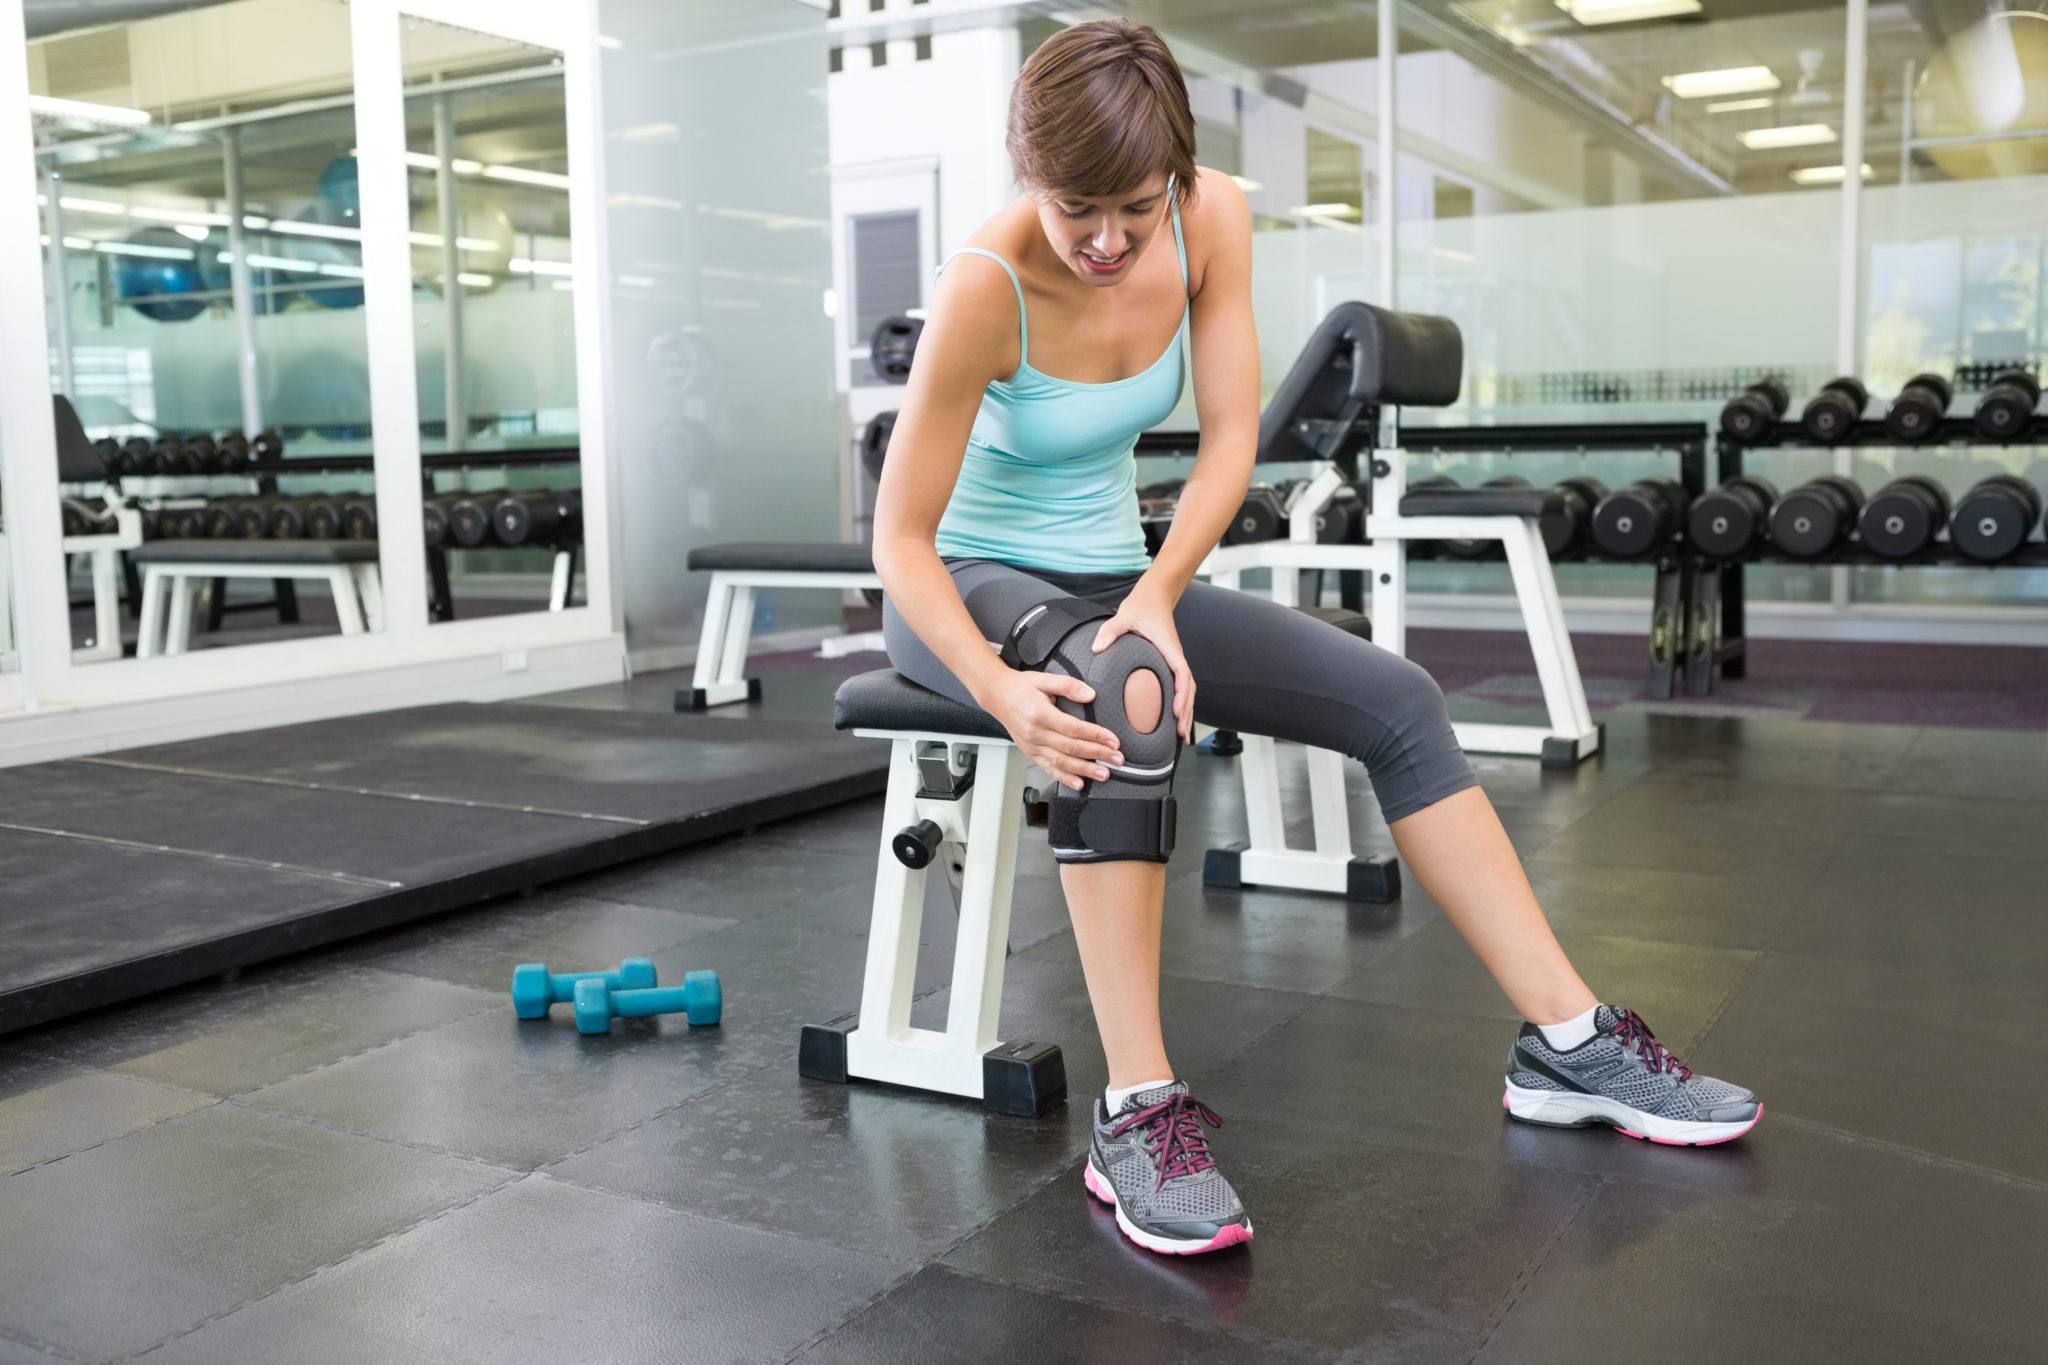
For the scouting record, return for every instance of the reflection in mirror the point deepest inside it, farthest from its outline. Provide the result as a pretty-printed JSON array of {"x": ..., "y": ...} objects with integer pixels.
[
  {"x": 203, "y": 251},
  {"x": 494, "y": 321}
]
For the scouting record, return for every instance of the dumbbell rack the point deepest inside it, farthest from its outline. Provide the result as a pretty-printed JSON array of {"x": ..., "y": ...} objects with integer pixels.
[
  {"x": 1675, "y": 589},
  {"x": 1717, "y": 624}
]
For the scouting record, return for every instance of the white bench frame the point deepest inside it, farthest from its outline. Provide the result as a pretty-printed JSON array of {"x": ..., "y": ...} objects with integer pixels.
[
  {"x": 980, "y": 827},
  {"x": 168, "y": 590},
  {"x": 105, "y": 552},
  {"x": 721, "y": 670}
]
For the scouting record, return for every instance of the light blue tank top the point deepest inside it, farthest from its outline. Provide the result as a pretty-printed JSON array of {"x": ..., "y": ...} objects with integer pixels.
[{"x": 1049, "y": 480}]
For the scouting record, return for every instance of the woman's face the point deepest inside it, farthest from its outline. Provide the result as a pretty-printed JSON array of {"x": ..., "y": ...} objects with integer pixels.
[{"x": 1101, "y": 239}]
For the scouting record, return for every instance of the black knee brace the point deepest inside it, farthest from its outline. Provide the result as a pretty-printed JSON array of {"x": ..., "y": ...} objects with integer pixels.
[{"x": 1128, "y": 818}]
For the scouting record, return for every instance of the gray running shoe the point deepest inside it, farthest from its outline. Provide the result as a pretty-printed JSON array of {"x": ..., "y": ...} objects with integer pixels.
[
  {"x": 1151, "y": 1163},
  {"x": 1624, "y": 1077}
]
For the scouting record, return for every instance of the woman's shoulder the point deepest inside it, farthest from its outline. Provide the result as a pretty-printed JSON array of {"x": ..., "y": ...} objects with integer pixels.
[{"x": 1217, "y": 220}]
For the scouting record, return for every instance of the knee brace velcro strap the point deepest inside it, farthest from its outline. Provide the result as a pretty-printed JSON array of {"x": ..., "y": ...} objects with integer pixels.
[
  {"x": 1092, "y": 829},
  {"x": 1038, "y": 632}
]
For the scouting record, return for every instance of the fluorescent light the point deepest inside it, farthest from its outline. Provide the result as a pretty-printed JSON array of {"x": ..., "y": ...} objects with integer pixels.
[
  {"x": 193, "y": 231},
  {"x": 609, "y": 43},
  {"x": 642, "y": 201},
  {"x": 1791, "y": 135},
  {"x": 191, "y": 216},
  {"x": 1591, "y": 12},
  {"x": 1444, "y": 253},
  {"x": 53, "y": 107},
  {"x": 565, "y": 284},
  {"x": 476, "y": 281},
  {"x": 773, "y": 222},
  {"x": 332, "y": 232},
  {"x": 519, "y": 175},
  {"x": 74, "y": 243},
  {"x": 519, "y": 265},
  {"x": 154, "y": 253},
  {"x": 70, "y": 205},
  {"x": 650, "y": 132},
  {"x": 462, "y": 243},
  {"x": 1734, "y": 80},
  {"x": 1247, "y": 184},
  {"x": 1326, "y": 210},
  {"x": 347, "y": 272},
  {"x": 1737, "y": 106},
  {"x": 643, "y": 282},
  {"x": 1824, "y": 175}
]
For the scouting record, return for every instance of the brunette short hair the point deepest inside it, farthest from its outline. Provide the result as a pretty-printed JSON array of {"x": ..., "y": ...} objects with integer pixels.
[{"x": 1098, "y": 109}]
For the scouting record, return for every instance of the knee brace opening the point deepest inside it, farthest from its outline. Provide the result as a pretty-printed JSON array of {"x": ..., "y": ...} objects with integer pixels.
[{"x": 1149, "y": 699}]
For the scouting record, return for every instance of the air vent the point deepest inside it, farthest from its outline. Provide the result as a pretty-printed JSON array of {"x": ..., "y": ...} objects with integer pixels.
[
  {"x": 886, "y": 274},
  {"x": 88, "y": 63}
]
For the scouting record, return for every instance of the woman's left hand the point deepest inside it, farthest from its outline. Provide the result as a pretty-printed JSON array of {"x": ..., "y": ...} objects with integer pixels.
[{"x": 1149, "y": 613}]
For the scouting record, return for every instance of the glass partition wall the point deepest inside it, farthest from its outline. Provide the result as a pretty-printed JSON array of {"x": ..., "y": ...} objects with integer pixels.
[{"x": 228, "y": 203}]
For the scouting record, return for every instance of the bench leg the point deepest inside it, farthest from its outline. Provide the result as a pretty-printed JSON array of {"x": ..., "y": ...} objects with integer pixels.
[
  {"x": 558, "y": 586},
  {"x": 370, "y": 587},
  {"x": 878, "y": 1042},
  {"x": 341, "y": 581},
  {"x": 1573, "y": 736},
  {"x": 150, "y": 618},
  {"x": 106, "y": 608},
  {"x": 178, "y": 629},
  {"x": 720, "y": 676}
]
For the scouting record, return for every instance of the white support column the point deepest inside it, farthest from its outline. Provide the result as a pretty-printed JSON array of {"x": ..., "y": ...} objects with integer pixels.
[
  {"x": 241, "y": 284},
  {"x": 982, "y": 939},
  {"x": 60, "y": 283},
  {"x": 1849, "y": 314},
  {"x": 456, "y": 408},
  {"x": 891, "y": 974},
  {"x": 1388, "y": 198}
]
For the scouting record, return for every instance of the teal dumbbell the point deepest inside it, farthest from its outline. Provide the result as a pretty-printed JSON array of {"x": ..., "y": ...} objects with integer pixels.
[
  {"x": 598, "y": 1003},
  {"x": 534, "y": 987}
]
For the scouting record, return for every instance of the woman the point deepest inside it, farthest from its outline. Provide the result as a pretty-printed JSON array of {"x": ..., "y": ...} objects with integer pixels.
[{"x": 1007, "y": 536}]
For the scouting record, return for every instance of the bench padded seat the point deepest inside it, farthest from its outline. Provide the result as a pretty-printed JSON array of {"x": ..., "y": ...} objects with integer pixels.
[
  {"x": 1480, "y": 502},
  {"x": 886, "y": 700},
  {"x": 255, "y": 552},
  {"x": 1343, "y": 618},
  {"x": 785, "y": 557}
]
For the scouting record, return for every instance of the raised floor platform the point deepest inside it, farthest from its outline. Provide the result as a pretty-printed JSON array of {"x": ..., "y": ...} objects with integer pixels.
[{"x": 131, "y": 872}]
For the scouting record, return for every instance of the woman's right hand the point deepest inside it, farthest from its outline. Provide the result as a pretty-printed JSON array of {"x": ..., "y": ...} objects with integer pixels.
[{"x": 1067, "y": 747}]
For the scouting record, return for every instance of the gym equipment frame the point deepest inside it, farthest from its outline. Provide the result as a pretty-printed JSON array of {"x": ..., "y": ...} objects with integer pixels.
[{"x": 737, "y": 571}]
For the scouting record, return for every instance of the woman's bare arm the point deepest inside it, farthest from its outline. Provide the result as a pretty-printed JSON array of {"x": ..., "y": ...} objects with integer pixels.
[{"x": 969, "y": 340}]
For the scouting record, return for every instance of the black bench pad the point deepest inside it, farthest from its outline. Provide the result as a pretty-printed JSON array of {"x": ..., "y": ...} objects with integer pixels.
[
  {"x": 255, "y": 552},
  {"x": 1479, "y": 502},
  {"x": 886, "y": 700},
  {"x": 1343, "y": 618},
  {"x": 782, "y": 557}
]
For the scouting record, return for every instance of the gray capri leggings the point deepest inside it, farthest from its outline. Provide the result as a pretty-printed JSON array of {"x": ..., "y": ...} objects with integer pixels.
[{"x": 1259, "y": 667}]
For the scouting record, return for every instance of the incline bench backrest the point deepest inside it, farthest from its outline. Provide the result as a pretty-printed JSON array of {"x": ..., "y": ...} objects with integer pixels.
[{"x": 1359, "y": 358}]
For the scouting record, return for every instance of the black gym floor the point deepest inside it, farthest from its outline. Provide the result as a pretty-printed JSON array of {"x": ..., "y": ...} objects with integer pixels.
[{"x": 360, "y": 1155}]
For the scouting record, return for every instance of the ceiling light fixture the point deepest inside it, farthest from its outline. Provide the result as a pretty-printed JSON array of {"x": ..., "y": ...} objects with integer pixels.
[
  {"x": 1734, "y": 80},
  {"x": 1247, "y": 184},
  {"x": 1325, "y": 210},
  {"x": 1791, "y": 135},
  {"x": 519, "y": 265},
  {"x": 1737, "y": 106},
  {"x": 1824, "y": 175},
  {"x": 1592, "y": 12},
  {"x": 84, "y": 112}
]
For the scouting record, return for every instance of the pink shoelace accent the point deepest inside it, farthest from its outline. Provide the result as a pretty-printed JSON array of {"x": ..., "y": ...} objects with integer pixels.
[
  {"x": 1632, "y": 1029},
  {"x": 1173, "y": 1135}
]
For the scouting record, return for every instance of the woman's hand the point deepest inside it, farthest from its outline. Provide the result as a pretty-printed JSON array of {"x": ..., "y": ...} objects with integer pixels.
[
  {"x": 1067, "y": 747},
  {"x": 1148, "y": 612}
]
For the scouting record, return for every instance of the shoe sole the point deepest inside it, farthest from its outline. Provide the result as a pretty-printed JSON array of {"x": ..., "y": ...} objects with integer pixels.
[
  {"x": 1561, "y": 1109},
  {"x": 1234, "y": 1235}
]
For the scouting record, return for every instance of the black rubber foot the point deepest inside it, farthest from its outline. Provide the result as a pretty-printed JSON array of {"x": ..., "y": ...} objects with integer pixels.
[
  {"x": 1222, "y": 867},
  {"x": 1226, "y": 744},
  {"x": 692, "y": 698},
  {"x": 1376, "y": 880},
  {"x": 1024, "y": 1079},
  {"x": 1568, "y": 753},
  {"x": 821, "y": 1052}
]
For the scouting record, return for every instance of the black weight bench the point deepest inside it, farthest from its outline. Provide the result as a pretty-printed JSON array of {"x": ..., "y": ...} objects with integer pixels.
[
  {"x": 736, "y": 572},
  {"x": 172, "y": 571}
]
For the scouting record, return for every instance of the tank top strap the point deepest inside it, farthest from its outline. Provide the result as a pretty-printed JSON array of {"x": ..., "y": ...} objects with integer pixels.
[
  {"x": 1179, "y": 243},
  {"x": 1023, "y": 330}
]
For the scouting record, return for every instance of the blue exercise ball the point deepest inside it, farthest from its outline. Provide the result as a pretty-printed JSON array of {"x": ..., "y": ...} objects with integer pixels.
[
  {"x": 163, "y": 263},
  {"x": 340, "y": 190}
]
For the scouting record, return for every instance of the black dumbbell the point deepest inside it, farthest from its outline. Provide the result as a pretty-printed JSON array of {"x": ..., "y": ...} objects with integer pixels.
[
  {"x": 874, "y": 442},
  {"x": 233, "y": 453},
  {"x": 2007, "y": 406},
  {"x": 166, "y": 456},
  {"x": 569, "y": 511},
  {"x": 893, "y": 346},
  {"x": 1340, "y": 519},
  {"x": 1567, "y": 517},
  {"x": 108, "y": 451},
  {"x": 1263, "y": 516},
  {"x": 1994, "y": 518},
  {"x": 1751, "y": 416},
  {"x": 1915, "y": 415},
  {"x": 268, "y": 447},
  {"x": 201, "y": 454},
  {"x": 359, "y": 518},
  {"x": 434, "y": 520},
  {"x": 1474, "y": 549},
  {"x": 469, "y": 519},
  {"x": 1903, "y": 517},
  {"x": 1816, "y": 517},
  {"x": 323, "y": 518},
  {"x": 286, "y": 519},
  {"x": 76, "y": 521},
  {"x": 1832, "y": 413},
  {"x": 1730, "y": 521},
  {"x": 220, "y": 520},
  {"x": 135, "y": 455},
  {"x": 1633, "y": 521},
  {"x": 529, "y": 517},
  {"x": 252, "y": 518},
  {"x": 185, "y": 523}
]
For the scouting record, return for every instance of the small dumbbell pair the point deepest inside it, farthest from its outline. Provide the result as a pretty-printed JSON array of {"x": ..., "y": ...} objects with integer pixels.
[{"x": 630, "y": 992}]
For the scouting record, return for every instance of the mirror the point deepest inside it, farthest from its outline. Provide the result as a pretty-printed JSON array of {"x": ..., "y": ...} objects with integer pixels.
[
  {"x": 203, "y": 252},
  {"x": 494, "y": 321}
]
